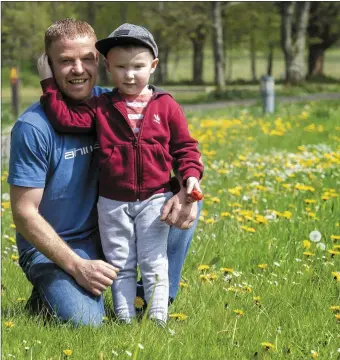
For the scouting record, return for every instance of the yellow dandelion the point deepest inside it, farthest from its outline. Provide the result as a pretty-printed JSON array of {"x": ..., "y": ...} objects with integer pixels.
[
  {"x": 335, "y": 237},
  {"x": 20, "y": 299},
  {"x": 248, "y": 229},
  {"x": 268, "y": 346},
  {"x": 314, "y": 354},
  {"x": 256, "y": 299},
  {"x": 225, "y": 214},
  {"x": 334, "y": 252},
  {"x": 204, "y": 278},
  {"x": 335, "y": 308},
  {"x": 178, "y": 316},
  {"x": 215, "y": 200},
  {"x": 306, "y": 244},
  {"x": 210, "y": 221},
  {"x": 14, "y": 257},
  {"x": 337, "y": 316},
  {"x": 227, "y": 270},
  {"x": 11, "y": 239},
  {"x": 238, "y": 312},
  {"x": 9, "y": 324},
  {"x": 67, "y": 352},
  {"x": 183, "y": 284},
  {"x": 310, "y": 201},
  {"x": 203, "y": 267},
  {"x": 308, "y": 253},
  {"x": 5, "y": 204},
  {"x": 211, "y": 276},
  {"x": 262, "y": 266},
  {"x": 139, "y": 302}
]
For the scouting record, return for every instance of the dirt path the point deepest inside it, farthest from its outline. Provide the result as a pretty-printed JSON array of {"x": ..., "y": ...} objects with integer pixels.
[{"x": 5, "y": 136}]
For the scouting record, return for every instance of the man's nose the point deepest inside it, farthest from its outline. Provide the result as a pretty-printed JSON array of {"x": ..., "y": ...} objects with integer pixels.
[{"x": 78, "y": 67}]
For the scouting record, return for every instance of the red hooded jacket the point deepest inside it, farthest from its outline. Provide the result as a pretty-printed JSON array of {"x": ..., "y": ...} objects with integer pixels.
[{"x": 131, "y": 167}]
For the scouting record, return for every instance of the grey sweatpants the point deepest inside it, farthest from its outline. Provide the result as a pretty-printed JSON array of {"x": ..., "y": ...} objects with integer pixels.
[{"x": 131, "y": 233}]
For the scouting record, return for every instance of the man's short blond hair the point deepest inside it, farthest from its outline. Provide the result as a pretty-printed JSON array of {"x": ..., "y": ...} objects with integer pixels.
[{"x": 69, "y": 29}]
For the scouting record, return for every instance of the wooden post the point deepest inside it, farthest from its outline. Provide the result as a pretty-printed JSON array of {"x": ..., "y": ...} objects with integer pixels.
[{"x": 14, "y": 78}]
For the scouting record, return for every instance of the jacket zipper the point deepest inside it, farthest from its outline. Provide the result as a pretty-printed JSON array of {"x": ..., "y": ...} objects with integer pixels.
[{"x": 135, "y": 144}]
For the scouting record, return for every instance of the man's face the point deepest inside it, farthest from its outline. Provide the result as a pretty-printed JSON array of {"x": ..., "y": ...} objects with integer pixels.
[
  {"x": 130, "y": 68},
  {"x": 74, "y": 65}
]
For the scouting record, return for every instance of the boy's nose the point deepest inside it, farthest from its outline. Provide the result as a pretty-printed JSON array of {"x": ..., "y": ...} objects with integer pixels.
[{"x": 129, "y": 74}]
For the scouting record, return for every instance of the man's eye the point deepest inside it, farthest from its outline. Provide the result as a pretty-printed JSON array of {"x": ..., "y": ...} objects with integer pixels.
[{"x": 65, "y": 61}]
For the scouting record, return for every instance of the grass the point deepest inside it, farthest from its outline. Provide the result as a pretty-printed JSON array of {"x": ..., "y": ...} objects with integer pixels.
[{"x": 269, "y": 182}]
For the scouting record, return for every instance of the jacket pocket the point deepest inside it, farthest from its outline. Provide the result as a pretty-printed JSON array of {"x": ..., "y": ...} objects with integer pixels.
[
  {"x": 156, "y": 165},
  {"x": 118, "y": 170}
]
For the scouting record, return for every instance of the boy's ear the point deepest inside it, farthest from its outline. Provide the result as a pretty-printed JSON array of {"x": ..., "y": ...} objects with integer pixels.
[
  {"x": 154, "y": 65},
  {"x": 106, "y": 64}
]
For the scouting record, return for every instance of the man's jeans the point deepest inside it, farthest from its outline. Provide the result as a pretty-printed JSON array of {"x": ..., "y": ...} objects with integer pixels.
[{"x": 68, "y": 301}]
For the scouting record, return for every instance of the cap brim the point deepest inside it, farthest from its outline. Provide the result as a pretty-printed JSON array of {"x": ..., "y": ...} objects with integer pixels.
[{"x": 103, "y": 46}]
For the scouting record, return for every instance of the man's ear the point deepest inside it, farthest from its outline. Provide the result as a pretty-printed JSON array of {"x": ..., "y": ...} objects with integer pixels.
[{"x": 154, "y": 65}]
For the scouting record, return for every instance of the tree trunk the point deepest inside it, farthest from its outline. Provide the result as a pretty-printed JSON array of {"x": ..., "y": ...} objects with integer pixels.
[
  {"x": 323, "y": 29},
  {"x": 270, "y": 60},
  {"x": 316, "y": 59},
  {"x": 218, "y": 46},
  {"x": 294, "y": 49},
  {"x": 198, "y": 56},
  {"x": 253, "y": 56}
]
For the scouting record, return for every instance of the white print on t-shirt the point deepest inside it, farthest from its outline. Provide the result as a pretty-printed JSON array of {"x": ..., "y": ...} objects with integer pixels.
[{"x": 81, "y": 151}]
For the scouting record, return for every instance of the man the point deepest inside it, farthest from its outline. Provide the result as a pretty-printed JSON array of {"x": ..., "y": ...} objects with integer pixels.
[{"x": 53, "y": 185}]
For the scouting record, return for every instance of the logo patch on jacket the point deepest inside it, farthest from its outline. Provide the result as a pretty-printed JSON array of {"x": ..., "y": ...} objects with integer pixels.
[{"x": 156, "y": 119}]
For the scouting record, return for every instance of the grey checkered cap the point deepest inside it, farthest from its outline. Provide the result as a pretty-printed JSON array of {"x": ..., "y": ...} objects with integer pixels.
[{"x": 127, "y": 34}]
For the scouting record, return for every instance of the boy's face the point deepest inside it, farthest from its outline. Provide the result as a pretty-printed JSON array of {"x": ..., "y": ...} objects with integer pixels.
[
  {"x": 74, "y": 65},
  {"x": 130, "y": 68}
]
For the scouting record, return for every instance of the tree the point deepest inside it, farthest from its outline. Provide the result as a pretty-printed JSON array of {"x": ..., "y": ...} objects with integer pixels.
[
  {"x": 294, "y": 21},
  {"x": 217, "y": 37},
  {"x": 323, "y": 32}
]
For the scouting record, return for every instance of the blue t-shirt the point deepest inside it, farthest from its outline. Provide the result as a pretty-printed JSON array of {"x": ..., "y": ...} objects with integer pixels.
[{"x": 64, "y": 166}]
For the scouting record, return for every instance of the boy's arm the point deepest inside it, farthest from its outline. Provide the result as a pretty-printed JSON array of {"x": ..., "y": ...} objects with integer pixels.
[
  {"x": 64, "y": 117},
  {"x": 184, "y": 148}
]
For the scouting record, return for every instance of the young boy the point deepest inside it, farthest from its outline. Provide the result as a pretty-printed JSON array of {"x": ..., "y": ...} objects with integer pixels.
[{"x": 140, "y": 131}]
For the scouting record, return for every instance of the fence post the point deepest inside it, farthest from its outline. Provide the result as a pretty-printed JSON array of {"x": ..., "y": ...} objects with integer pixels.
[
  {"x": 14, "y": 78},
  {"x": 268, "y": 93}
]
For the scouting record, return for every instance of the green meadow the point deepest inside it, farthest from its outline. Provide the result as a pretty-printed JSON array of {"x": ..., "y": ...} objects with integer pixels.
[{"x": 262, "y": 277}]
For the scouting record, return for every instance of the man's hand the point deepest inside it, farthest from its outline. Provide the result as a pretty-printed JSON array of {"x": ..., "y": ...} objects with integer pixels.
[
  {"x": 177, "y": 211},
  {"x": 44, "y": 68},
  {"x": 94, "y": 275}
]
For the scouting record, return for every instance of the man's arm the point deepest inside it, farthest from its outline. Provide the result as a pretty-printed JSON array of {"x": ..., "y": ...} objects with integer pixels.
[{"x": 94, "y": 275}]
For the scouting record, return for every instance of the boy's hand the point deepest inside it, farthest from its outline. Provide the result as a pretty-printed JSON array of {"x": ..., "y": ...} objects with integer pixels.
[
  {"x": 193, "y": 186},
  {"x": 44, "y": 68}
]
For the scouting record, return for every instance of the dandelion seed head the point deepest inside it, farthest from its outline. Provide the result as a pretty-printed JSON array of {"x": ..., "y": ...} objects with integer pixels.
[
  {"x": 321, "y": 246},
  {"x": 315, "y": 236}
]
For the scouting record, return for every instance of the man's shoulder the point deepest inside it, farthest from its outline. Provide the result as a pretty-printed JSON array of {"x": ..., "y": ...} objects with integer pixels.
[{"x": 36, "y": 117}]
